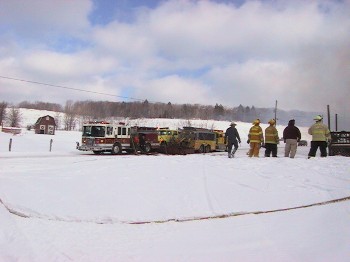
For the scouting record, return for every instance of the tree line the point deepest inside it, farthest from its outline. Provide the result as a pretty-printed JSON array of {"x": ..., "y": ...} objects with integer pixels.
[
  {"x": 97, "y": 110},
  {"x": 145, "y": 109}
]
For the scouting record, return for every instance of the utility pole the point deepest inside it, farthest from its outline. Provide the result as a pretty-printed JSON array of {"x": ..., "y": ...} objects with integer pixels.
[
  {"x": 329, "y": 117},
  {"x": 336, "y": 122},
  {"x": 276, "y": 113}
]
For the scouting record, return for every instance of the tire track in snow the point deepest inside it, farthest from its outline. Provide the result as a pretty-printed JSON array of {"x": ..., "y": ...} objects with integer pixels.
[{"x": 179, "y": 220}]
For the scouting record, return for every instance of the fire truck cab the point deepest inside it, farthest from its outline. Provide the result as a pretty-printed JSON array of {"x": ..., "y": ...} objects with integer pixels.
[
  {"x": 147, "y": 138},
  {"x": 166, "y": 135}
]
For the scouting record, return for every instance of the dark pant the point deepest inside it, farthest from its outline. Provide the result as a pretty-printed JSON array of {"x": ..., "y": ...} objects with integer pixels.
[
  {"x": 230, "y": 145},
  {"x": 318, "y": 144},
  {"x": 270, "y": 148}
]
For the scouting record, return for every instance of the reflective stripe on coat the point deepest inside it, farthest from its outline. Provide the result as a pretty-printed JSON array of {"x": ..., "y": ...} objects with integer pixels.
[
  {"x": 256, "y": 134},
  {"x": 319, "y": 132},
  {"x": 271, "y": 135}
]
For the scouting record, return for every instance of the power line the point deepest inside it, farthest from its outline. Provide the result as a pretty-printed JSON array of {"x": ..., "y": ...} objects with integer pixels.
[{"x": 70, "y": 88}]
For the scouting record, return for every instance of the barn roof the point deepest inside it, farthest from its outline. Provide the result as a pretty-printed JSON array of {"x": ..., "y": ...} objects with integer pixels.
[{"x": 39, "y": 119}]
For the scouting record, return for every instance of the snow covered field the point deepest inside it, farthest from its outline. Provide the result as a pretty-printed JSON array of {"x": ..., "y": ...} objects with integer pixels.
[{"x": 67, "y": 205}]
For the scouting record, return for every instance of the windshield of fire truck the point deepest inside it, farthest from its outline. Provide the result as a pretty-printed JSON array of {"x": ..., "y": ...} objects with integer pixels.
[
  {"x": 95, "y": 131},
  {"x": 164, "y": 132}
]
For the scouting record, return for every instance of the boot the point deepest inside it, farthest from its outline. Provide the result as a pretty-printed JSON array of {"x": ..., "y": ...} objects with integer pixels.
[{"x": 233, "y": 152}]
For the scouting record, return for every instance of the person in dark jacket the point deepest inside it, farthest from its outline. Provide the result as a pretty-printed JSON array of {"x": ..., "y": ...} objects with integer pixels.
[
  {"x": 142, "y": 142},
  {"x": 291, "y": 137},
  {"x": 232, "y": 139}
]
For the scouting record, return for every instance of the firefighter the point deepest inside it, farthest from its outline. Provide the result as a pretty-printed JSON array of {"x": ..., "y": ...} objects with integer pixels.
[
  {"x": 320, "y": 136},
  {"x": 271, "y": 139},
  {"x": 291, "y": 137},
  {"x": 255, "y": 138},
  {"x": 142, "y": 142},
  {"x": 232, "y": 139}
]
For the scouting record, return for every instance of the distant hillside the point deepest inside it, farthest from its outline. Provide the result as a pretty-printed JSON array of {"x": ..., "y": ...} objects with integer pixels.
[
  {"x": 302, "y": 118},
  {"x": 145, "y": 109},
  {"x": 96, "y": 110},
  {"x": 29, "y": 117}
]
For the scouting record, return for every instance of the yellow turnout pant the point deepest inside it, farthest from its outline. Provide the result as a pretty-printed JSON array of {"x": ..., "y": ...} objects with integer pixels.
[{"x": 254, "y": 149}]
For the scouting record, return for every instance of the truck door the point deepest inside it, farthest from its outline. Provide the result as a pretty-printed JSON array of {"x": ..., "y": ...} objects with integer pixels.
[
  {"x": 123, "y": 132},
  {"x": 109, "y": 132}
]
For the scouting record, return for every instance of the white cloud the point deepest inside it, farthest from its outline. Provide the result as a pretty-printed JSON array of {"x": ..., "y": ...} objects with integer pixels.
[
  {"x": 62, "y": 65},
  {"x": 123, "y": 41},
  {"x": 203, "y": 52},
  {"x": 254, "y": 82},
  {"x": 36, "y": 17},
  {"x": 175, "y": 89},
  {"x": 192, "y": 29}
]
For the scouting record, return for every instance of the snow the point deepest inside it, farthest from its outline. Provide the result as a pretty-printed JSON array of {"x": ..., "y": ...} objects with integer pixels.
[{"x": 67, "y": 205}]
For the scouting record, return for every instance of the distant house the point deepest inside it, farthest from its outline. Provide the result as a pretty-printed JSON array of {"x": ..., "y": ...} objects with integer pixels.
[{"x": 45, "y": 125}]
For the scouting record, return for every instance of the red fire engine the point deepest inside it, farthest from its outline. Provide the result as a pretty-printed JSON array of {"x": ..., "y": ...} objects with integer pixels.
[{"x": 102, "y": 136}]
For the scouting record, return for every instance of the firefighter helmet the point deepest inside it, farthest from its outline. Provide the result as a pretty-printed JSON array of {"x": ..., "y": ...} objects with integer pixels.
[
  {"x": 233, "y": 124},
  {"x": 272, "y": 121},
  {"x": 318, "y": 118},
  {"x": 256, "y": 122}
]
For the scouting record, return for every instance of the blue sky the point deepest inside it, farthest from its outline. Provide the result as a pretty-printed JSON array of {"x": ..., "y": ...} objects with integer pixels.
[
  {"x": 105, "y": 11},
  {"x": 179, "y": 51}
]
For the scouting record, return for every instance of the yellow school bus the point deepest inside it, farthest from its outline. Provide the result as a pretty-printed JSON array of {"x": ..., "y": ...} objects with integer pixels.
[
  {"x": 200, "y": 139},
  {"x": 220, "y": 140}
]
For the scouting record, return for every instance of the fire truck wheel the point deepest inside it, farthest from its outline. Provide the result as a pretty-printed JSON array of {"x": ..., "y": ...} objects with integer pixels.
[
  {"x": 148, "y": 147},
  {"x": 207, "y": 149},
  {"x": 117, "y": 149},
  {"x": 201, "y": 149},
  {"x": 163, "y": 147}
]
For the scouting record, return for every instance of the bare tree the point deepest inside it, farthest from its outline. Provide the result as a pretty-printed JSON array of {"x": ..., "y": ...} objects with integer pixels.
[
  {"x": 58, "y": 117},
  {"x": 14, "y": 117},
  {"x": 70, "y": 116},
  {"x": 3, "y": 106}
]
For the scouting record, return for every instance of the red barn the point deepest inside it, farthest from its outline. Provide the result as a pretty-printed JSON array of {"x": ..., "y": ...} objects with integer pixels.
[{"x": 45, "y": 125}]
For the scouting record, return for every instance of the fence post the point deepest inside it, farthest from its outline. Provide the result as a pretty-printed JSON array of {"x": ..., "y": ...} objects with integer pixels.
[
  {"x": 10, "y": 144},
  {"x": 51, "y": 144}
]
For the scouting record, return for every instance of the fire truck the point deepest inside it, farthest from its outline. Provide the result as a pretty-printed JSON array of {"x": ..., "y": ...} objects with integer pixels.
[
  {"x": 147, "y": 138},
  {"x": 101, "y": 136},
  {"x": 339, "y": 144},
  {"x": 166, "y": 136}
]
